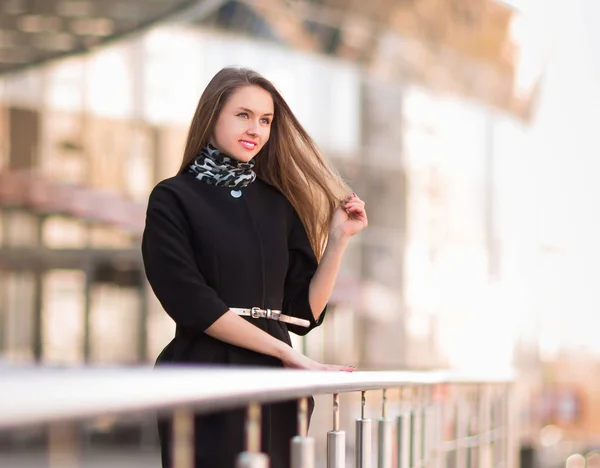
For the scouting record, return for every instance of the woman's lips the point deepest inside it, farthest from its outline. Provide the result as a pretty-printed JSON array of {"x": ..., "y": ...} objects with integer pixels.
[{"x": 249, "y": 145}]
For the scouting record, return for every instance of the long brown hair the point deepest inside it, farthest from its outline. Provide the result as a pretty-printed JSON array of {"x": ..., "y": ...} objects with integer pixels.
[{"x": 289, "y": 161}]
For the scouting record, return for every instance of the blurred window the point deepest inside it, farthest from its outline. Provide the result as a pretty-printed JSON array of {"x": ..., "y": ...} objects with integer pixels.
[
  {"x": 65, "y": 84},
  {"x": 63, "y": 312},
  {"x": 64, "y": 233},
  {"x": 139, "y": 167},
  {"x": 17, "y": 291},
  {"x": 160, "y": 328},
  {"x": 21, "y": 229},
  {"x": 23, "y": 134},
  {"x": 63, "y": 152},
  {"x": 106, "y": 237},
  {"x": 114, "y": 323}
]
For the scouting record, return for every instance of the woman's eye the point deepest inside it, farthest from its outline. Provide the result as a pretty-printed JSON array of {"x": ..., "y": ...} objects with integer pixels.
[
  {"x": 243, "y": 115},
  {"x": 265, "y": 120}
]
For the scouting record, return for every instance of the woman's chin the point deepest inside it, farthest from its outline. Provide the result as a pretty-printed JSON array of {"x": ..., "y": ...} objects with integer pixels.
[{"x": 244, "y": 157}]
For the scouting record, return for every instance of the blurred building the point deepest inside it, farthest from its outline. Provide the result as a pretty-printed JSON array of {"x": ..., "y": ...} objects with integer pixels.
[
  {"x": 482, "y": 244},
  {"x": 423, "y": 106},
  {"x": 410, "y": 125}
]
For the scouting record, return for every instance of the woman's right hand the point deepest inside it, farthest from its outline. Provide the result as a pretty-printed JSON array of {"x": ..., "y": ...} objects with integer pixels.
[{"x": 293, "y": 359}]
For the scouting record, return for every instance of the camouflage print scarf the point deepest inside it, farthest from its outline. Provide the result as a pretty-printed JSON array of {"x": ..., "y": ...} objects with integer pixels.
[{"x": 216, "y": 168}]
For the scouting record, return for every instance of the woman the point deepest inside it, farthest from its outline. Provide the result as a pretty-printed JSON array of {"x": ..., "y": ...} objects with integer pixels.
[{"x": 231, "y": 248}]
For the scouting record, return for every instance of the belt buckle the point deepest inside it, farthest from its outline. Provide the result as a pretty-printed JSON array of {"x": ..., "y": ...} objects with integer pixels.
[{"x": 255, "y": 312}]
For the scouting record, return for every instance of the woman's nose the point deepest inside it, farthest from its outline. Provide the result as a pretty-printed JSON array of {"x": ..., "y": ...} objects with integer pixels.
[{"x": 252, "y": 129}]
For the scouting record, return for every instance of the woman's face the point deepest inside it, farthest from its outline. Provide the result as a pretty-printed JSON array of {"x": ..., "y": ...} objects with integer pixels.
[{"x": 244, "y": 125}]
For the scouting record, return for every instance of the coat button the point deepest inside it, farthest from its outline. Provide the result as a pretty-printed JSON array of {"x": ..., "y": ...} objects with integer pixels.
[{"x": 236, "y": 193}]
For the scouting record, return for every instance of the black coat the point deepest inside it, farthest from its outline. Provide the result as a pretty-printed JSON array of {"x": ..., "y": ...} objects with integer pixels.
[{"x": 205, "y": 251}]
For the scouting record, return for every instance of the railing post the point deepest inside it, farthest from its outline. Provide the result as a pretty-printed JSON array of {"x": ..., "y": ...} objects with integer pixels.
[
  {"x": 484, "y": 413},
  {"x": 460, "y": 431},
  {"x": 252, "y": 458},
  {"x": 384, "y": 436},
  {"x": 437, "y": 434},
  {"x": 363, "y": 437},
  {"x": 183, "y": 438},
  {"x": 423, "y": 428},
  {"x": 336, "y": 439},
  {"x": 471, "y": 396},
  {"x": 510, "y": 418},
  {"x": 429, "y": 428},
  {"x": 63, "y": 445},
  {"x": 496, "y": 446},
  {"x": 416, "y": 429},
  {"x": 501, "y": 424},
  {"x": 403, "y": 434},
  {"x": 303, "y": 447}
]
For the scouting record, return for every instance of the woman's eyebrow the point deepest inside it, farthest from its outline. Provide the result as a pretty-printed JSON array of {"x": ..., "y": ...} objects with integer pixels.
[{"x": 245, "y": 109}]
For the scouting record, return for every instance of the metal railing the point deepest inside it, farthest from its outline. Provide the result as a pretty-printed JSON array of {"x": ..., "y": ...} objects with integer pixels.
[{"x": 437, "y": 419}]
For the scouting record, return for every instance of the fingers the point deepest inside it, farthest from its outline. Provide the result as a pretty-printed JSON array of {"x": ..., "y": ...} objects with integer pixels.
[
  {"x": 333, "y": 367},
  {"x": 356, "y": 211},
  {"x": 313, "y": 365},
  {"x": 354, "y": 205},
  {"x": 352, "y": 198}
]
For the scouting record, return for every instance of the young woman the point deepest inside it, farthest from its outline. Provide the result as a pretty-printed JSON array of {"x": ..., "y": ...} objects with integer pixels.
[{"x": 243, "y": 245}]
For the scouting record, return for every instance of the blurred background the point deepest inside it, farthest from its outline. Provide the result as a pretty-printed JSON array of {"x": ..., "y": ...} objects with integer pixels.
[{"x": 467, "y": 126}]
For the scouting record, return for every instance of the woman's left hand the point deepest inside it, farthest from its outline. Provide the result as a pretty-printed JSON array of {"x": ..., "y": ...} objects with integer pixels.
[{"x": 349, "y": 218}]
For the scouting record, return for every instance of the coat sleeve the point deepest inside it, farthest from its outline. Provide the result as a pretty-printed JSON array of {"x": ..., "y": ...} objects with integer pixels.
[
  {"x": 301, "y": 268},
  {"x": 170, "y": 266}
]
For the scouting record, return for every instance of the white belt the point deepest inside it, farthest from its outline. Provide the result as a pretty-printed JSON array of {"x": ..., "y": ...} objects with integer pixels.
[{"x": 255, "y": 312}]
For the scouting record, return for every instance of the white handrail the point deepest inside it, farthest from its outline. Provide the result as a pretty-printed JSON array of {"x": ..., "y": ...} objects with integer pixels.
[{"x": 43, "y": 395}]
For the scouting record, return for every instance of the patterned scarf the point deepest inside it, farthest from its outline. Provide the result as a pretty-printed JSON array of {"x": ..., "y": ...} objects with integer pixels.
[{"x": 216, "y": 168}]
